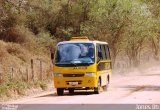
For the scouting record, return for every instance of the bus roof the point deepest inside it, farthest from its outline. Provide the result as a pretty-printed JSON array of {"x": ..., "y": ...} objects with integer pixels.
[{"x": 82, "y": 39}]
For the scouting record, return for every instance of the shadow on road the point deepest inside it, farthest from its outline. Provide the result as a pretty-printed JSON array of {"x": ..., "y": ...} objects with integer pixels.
[
  {"x": 150, "y": 74},
  {"x": 67, "y": 94},
  {"x": 137, "y": 88}
]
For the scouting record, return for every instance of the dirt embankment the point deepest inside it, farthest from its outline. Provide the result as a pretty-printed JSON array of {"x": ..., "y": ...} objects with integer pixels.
[
  {"x": 22, "y": 68},
  {"x": 16, "y": 61}
]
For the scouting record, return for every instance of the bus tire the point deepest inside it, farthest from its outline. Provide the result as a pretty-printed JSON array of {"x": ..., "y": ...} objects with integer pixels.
[
  {"x": 60, "y": 91},
  {"x": 105, "y": 87},
  {"x": 107, "y": 84},
  {"x": 71, "y": 91},
  {"x": 97, "y": 89}
]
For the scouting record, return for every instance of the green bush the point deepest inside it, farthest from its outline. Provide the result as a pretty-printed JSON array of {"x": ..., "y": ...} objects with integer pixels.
[{"x": 45, "y": 39}]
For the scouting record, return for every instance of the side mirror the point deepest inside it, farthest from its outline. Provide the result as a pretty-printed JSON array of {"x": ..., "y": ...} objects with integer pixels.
[{"x": 52, "y": 56}]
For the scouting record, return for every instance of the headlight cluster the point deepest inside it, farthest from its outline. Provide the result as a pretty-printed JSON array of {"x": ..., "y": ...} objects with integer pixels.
[{"x": 90, "y": 74}]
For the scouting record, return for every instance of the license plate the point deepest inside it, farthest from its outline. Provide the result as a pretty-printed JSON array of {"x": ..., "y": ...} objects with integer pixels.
[{"x": 73, "y": 83}]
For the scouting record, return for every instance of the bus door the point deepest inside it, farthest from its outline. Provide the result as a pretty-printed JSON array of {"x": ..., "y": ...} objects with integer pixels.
[{"x": 103, "y": 63}]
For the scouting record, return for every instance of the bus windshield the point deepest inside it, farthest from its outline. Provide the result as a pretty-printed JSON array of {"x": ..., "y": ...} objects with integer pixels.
[{"x": 75, "y": 54}]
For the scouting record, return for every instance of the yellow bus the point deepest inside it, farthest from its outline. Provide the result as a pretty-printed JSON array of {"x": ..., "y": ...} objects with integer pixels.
[{"x": 81, "y": 64}]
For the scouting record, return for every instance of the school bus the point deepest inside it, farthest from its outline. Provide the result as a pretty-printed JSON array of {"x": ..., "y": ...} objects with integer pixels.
[{"x": 81, "y": 64}]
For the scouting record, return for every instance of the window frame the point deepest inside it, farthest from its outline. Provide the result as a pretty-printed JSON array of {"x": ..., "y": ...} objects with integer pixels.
[{"x": 105, "y": 52}]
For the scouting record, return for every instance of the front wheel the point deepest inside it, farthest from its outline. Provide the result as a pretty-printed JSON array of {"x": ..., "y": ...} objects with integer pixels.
[
  {"x": 97, "y": 89},
  {"x": 60, "y": 91},
  {"x": 105, "y": 87}
]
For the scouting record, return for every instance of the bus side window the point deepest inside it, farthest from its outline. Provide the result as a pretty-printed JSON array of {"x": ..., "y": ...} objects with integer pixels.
[
  {"x": 104, "y": 52},
  {"x": 99, "y": 53},
  {"x": 107, "y": 52}
]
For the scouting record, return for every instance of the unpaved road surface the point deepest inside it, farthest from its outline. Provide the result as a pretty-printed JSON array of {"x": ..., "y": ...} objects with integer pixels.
[{"x": 124, "y": 89}]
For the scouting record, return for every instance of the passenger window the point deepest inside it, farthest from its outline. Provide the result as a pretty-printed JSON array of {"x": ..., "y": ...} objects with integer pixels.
[
  {"x": 103, "y": 52},
  {"x": 107, "y": 52},
  {"x": 99, "y": 52}
]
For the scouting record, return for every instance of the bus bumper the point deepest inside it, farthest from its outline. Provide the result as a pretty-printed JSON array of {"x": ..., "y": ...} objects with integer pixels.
[{"x": 85, "y": 82}]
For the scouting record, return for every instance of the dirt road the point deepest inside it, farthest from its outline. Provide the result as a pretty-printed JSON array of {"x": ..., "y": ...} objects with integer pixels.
[{"x": 130, "y": 89}]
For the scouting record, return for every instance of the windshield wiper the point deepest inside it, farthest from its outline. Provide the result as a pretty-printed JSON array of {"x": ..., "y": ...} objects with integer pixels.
[
  {"x": 87, "y": 64},
  {"x": 66, "y": 64},
  {"x": 75, "y": 64}
]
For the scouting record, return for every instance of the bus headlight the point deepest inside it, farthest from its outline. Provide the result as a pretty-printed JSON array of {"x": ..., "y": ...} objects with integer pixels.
[
  {"x": 57, "y": 74},
  {"x": 90, "y": 74}
]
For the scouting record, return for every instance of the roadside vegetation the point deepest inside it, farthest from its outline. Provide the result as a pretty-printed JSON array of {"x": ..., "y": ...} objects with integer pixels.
[
  {"x": 16, "y": 89},
  {"x": 30, "y": 29}
]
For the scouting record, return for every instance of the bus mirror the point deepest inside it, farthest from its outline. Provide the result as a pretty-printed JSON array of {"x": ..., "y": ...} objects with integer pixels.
[{"x": 52, "y": 55}]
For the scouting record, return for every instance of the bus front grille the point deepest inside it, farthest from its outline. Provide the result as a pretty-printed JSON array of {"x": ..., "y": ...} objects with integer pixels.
[{"x": 73, "y": 75}]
